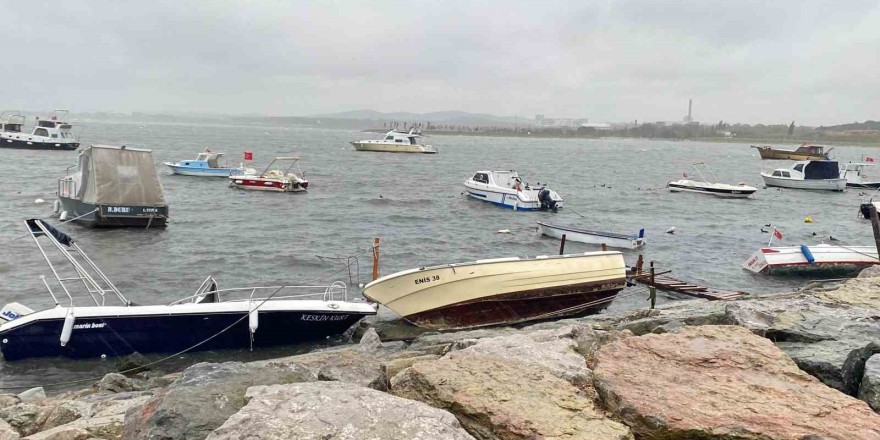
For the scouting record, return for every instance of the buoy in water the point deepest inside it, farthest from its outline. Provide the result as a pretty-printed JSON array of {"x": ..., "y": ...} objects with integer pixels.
[
  {"x": 671, "y": 230},
  {"x": 808, "y": 219},
  {"x": 39, "y": 201},
  {"x": 504, "y": 231}
]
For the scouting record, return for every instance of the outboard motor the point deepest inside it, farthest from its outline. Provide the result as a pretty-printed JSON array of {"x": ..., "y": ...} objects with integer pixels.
[{"x": 547, "y": 202}]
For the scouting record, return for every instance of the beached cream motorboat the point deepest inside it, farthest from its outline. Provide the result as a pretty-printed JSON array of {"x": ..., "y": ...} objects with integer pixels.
[
  {"x": 395, "y": 142},
  {"x": 502, "y": 291}
]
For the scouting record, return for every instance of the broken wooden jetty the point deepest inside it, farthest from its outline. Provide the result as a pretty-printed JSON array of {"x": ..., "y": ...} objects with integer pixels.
[{"x": 664, "y": 282}]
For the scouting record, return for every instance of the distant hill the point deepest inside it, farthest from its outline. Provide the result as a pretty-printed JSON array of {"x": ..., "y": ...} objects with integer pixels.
[
  {"x": 446, "y": 117},
  {"x": 867, "y": 125}
]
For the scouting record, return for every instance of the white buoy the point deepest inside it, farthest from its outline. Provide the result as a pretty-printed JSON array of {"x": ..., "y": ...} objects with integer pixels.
[
  {"x": 253, "y": 320},
  {"x": 67, "y": 329},
  {"x": 671, "y": 230},
  {"x": 63, "y": 216},
  {"x": 39, "y": 201},
  {"x": 504, "y": 231},
  {"x": 56, "y": 206}
]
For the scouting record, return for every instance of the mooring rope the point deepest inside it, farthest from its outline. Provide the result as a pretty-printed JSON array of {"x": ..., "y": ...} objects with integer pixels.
[{"x": 45, "y": 218}]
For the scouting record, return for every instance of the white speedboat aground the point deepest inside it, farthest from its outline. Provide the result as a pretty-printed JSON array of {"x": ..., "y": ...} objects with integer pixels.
[
  {"x": 809, "y": 174},
  {"x": 507, "y": 189},
  {"x": 704, "y": 186},
  {"x": 610, "y": 239},
  {"x": 395, "y": 142},
  {"x": 800, "y": 258},
  {"x": 502, "y": 291},
  {"x": 854, "y": 173}
]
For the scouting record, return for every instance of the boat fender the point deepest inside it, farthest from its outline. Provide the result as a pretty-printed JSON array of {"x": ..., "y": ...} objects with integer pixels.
[
  {"x": 67, "y": 328},
  {"x": 253, "y": 320},
  {"x": 63, "y": 216},
  {"x": 807, "y": 254},
  {"x": 56, "y": 206}
]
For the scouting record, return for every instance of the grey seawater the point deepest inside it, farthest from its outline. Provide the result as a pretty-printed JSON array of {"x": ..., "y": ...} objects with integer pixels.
[{"x": 414, "y": 203}]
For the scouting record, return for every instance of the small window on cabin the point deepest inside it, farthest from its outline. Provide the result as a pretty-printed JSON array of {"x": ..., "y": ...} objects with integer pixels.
[
  {"x": 482, "y": 178},
  {"x": 54, "y": 135},
  {"x": 786, "y": 174},
  {"x": 41, "y": 132},
  {"x": 777, "y": 173},
  {"x": 399, "y": 141},
  {"x": 388, "y": 138},
  {"x": 799, "y": 167},
  {"x": 412, "y": 141}
]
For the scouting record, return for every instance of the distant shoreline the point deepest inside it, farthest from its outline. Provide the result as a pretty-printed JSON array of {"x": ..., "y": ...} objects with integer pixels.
[{"x": 722, "y": 140}]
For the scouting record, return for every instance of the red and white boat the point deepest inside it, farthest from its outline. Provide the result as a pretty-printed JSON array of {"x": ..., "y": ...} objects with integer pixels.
[
  {"x": 801, "y": 258},
  {"x": 273, "y": 179}
]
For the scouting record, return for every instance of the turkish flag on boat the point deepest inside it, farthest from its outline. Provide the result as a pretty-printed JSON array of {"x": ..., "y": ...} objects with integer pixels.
[
  {"x": 869, "y": 159},
  {"x": 248, "y": 155},
  {"x": 777, "y": 234}
]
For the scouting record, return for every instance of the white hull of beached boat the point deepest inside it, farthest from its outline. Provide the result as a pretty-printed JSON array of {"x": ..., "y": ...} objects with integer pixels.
[
  {"x": 823, "y": 256},
  {"x": 609, "y": 239},
  {"x": 502, "y": 290}
]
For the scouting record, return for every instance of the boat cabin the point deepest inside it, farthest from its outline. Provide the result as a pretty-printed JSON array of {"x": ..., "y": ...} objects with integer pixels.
[
  {"x": 810, "y": 170},
  {"x": 396, "y": 137},
  {"x": 205, "y": 159},
  {"x": 503, "y": 179},
  {"x": 11, "y": 123},
  {"x": 812, "y": 150}
]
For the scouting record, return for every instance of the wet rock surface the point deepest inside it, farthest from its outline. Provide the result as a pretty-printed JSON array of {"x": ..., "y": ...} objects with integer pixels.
[
  {"x": 869, "y": 390},
  {"x": 335, "y": 410},
  {"x": 739, "y": 386}
]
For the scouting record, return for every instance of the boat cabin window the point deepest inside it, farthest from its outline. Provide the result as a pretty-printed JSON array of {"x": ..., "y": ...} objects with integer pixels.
[
  {"x": 412, "y": 141},
  {"x": 777, "y": 173},
  {"x": 822, "y": 169},
  {"x": 54, "y": 135},
  {"x": 41, "y": 132},
  {"x": 481, "y": 177},
  {"x": 388, "y": 138},
  {"x": 399, "y": 141},
  {"x": 786, "y": 174},
  {"x": 799, "y": 167}
]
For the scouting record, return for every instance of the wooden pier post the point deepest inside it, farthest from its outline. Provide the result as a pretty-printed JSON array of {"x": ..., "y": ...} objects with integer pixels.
[
  {"x": 875, "y": 224},
  {"x": 375, "y": 258},
  {"x": 639, "y": 264},
  {"x": 562, "y": 245},
  {"x": 652, "y": 289},
  {"x": 604, "y": 247}
]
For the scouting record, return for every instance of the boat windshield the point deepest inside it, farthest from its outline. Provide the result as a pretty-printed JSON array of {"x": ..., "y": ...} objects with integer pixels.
[{"x": 822, "y": 170}]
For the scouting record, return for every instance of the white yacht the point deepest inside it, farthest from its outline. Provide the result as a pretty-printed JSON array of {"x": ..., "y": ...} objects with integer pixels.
[
  {"x": 808, "y": 174},
  {"x": 507, "y": 189},
  {"x": 395, "y": 142},
  {"x": 53, "y": 133}
]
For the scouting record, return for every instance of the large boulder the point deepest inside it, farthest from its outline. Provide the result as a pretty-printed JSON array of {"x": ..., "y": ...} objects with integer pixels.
[
  {"x": 359, "y": 364},
  {"x": 335, "y": 410},
  {"x": 204, "y": 396},
  {"x": 26, "y": 418},
  {"x": 116, "y": 383},
  {"x": 722, "y": 382},
  {"x": 869, "y": 391},
  {"x": 7, "y": 432},
  {"x": 503, "y": 398},
  {"x": 108, "y": 427}
]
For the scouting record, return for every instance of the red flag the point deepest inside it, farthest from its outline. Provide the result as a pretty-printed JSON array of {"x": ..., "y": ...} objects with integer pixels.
[
  {"x": 869, "y": 159},
  {"x": 248, "y": 155},
  {"x": 777, "y": 234}
]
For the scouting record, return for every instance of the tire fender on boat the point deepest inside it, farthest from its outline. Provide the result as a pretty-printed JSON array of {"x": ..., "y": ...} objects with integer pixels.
[{"x": 67, "y": 329}]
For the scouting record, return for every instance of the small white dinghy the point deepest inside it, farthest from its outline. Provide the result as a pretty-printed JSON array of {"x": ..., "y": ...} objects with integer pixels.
[
  {"x": 610, "y": 239},
  {"x": 704, "y": 186},
  {"x": 802, "y": 258}
]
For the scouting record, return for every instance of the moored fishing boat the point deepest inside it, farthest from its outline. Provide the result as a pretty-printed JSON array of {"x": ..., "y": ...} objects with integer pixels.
[
  {"x": 395, "y": 142},
  {"x": 502, "y": 291},
  {"x": 611, "y": 239},
  {"x": 54, "y": 133},
  {"x": 113, "y": 186},
  {"x": 507, "y": 189},
  {"x": 704, "y": 186},
  {"x": 812, "y": 174},
  {"x": 273, "y": 179},
  {"x": 212, "y": 318},
  {"x": 783, "y": 259},
  {"x": 804, "y": 152},
  {"x": 206, "y": 164},
  {"x": 854, "y": 173}
]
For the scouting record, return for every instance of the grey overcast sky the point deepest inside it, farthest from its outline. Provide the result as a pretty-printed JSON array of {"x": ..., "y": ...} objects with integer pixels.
[{"x": 816, "y": 62}]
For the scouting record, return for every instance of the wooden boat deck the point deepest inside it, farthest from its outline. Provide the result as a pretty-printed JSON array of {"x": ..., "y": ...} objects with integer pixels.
[{"x": 664, "y": 282}]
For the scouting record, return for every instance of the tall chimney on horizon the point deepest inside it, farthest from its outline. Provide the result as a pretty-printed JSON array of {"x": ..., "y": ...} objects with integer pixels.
[{"x": 690, "y": 115}]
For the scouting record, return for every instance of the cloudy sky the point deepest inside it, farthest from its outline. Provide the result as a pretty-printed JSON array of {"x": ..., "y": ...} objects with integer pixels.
[{"x": 816, "y": 62}]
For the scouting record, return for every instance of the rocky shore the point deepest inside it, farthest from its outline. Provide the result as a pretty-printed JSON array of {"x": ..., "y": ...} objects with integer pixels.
[{"x": 803, "y": 365}]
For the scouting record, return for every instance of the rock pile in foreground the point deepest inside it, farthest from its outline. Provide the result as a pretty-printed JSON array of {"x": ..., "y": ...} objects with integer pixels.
[{"x": 800, "y": 366}]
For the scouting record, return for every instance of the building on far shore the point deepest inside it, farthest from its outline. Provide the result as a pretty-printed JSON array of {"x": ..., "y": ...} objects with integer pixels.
[{"x": 550, "y": 123}]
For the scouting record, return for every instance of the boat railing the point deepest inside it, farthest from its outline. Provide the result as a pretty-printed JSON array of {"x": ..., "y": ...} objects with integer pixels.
[
  {"x": 336, "y": 291},
  {"x": 66, "y": 187}
]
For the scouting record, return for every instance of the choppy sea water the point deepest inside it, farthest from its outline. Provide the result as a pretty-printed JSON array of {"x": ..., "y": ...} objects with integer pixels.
[{"x": 414, "y": 203}]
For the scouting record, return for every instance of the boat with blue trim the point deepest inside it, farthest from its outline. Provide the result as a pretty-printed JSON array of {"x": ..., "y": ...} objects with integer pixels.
[
  {"x": 206, "y": 164},
  {"x": 507, "y": 189}
]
